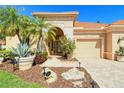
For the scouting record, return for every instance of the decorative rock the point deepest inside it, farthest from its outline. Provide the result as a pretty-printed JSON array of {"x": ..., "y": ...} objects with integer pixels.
[
  {"x": 73, "y": 74},
  {"x": 77, "y": 84},
  {"x": 53, "y": 76}
]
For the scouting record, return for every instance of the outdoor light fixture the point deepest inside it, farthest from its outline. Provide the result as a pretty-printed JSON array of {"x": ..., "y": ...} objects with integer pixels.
[
  {"x": 44, "y": 70},
  {"x": 79, "y": 64},
  {"x": 46, "y": 73}
]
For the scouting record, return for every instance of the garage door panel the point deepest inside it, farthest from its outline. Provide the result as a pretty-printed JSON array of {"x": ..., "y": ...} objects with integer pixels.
[{"x": 88, "y": 48}]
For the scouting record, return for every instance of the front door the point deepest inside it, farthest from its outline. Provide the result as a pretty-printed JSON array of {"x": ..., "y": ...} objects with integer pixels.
[{"x": 54, "y": 47}]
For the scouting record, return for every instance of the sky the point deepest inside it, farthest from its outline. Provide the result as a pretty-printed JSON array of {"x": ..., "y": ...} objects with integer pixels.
[{"x": 87, "y": 13}]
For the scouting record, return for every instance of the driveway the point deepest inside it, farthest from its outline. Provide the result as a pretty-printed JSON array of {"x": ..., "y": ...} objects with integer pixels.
[{"x": 107, "y": 73}]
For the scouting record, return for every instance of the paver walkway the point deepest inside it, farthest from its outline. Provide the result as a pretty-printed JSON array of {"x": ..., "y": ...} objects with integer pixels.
[
  {"x": 107, "y": 73},
  {"x": 54, "y": 62}
]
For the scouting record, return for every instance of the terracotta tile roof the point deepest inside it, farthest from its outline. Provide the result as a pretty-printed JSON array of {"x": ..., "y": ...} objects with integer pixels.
[
  {"x": 119, "y": 22},
  {"x": 89, "y": 25}
]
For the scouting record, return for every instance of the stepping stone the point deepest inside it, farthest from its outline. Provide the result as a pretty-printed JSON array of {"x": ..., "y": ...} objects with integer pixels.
[
  {"x": 73, "y": 74},
  {"x": 77, "y": 84}
]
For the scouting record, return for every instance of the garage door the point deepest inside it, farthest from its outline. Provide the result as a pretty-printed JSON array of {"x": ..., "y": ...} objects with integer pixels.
[{"x": 88, "y": 48}]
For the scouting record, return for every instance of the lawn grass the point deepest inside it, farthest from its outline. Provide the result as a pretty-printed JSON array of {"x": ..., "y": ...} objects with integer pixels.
[{"x": 9, "y": 80}]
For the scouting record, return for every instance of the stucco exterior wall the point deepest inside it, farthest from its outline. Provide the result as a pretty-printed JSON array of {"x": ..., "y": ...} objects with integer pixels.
[
  {"x": 92, "y": 39},
  {"x": 11, "y": 42},
  {"x": 108, "y": 49},
  {"x": 115, "y": 47},
  {"x": 66, "y": 26},
  {"x": 87, "y": 36}
]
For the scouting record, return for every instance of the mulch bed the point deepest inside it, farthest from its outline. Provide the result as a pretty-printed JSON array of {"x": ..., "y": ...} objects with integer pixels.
[{"x": 33, "y": 75}]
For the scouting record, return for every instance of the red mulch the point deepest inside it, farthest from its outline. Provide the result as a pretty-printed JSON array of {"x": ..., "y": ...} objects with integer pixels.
[{"x": 34, "y": 75}]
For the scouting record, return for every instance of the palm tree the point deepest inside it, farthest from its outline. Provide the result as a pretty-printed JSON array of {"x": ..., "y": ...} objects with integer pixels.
[
  {"x": 9, "y": 21},
  {"x": 13, "y": 23},
  {"x": 28, "y": 29},
  {"x": 45, "y": 32}
]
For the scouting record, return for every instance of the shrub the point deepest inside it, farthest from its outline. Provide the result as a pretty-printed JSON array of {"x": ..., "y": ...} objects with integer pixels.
[
  {"x": 6, "y": 54},
  {"x": 67, "y": 46},
  {"x": 40, "y": 57},
  {"x": 45, "y": 54},
  {"x": 120, "y": 52}
]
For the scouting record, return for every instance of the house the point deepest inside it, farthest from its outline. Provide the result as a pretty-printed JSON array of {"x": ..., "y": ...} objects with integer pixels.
[{"x": 93, "y": 40}]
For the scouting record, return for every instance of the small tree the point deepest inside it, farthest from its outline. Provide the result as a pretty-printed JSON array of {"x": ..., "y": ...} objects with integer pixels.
[{"x": 67, "y": 46}]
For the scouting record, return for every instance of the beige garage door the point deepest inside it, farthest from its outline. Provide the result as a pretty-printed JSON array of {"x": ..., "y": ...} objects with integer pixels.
[{"x": 88, "y": 48}]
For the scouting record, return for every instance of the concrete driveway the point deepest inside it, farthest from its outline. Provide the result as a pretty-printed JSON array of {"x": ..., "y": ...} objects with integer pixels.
[{"x": 107, "y": 73}]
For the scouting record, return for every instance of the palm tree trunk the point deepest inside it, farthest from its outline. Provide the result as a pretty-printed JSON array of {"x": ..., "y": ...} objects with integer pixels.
[
  {"x": 44, "y": 44},
  {"x": 46, "y": 48},
  {"x": 19, "y": 37},
  {"x": 38, "y": 42}
]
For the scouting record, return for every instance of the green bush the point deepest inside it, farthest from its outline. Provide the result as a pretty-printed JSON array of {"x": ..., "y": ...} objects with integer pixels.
[
  {"x": 67, "y": 46},
  {"x": 6, "y": 54},
  {"x": 45, "y": 54},
  {"x": 120, "y": 52}
]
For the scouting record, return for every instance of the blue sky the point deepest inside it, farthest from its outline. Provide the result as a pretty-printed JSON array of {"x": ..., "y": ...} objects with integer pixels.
[{"x": 87, "y": 13}]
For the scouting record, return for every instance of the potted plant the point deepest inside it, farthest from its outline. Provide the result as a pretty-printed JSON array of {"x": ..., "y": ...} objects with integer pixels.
[
  {"x": 120, "y": 54},
  {"x": 23, "y": 56},
  {"x": 67, "y": 46}
]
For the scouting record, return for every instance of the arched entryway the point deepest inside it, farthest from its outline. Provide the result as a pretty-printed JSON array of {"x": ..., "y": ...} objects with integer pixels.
[{"x": 54, "y": 46}]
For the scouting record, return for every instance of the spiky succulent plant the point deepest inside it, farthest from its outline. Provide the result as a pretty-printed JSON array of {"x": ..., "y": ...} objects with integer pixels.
[{"x": 22, "y": 50}]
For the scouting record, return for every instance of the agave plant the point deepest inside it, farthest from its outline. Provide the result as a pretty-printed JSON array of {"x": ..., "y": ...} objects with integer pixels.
[{"x": 22, "y": 50}]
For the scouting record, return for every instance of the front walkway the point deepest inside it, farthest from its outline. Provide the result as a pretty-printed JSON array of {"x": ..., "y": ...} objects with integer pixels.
[{"x": 106, "y": 73}]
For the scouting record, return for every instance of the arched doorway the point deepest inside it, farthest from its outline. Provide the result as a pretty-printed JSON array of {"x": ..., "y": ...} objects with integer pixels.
[{"x": 54, "y": 46}]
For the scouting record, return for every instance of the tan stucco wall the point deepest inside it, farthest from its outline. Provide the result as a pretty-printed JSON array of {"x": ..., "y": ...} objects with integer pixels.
[
  {"x": 93, "y": 38},
  {"x": 87, "y": 36},
  {"x": 115, "y": 46},
  {"x": 66, "y": 26},
  {"x": 11, "y": 42},
  {"x": 108, "y": 45}
]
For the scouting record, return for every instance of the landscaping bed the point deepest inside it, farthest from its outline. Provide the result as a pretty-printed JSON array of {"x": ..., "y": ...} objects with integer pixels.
[
  {"x": 33, "y": 75},
  {"x": 8, "y": 80}
]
